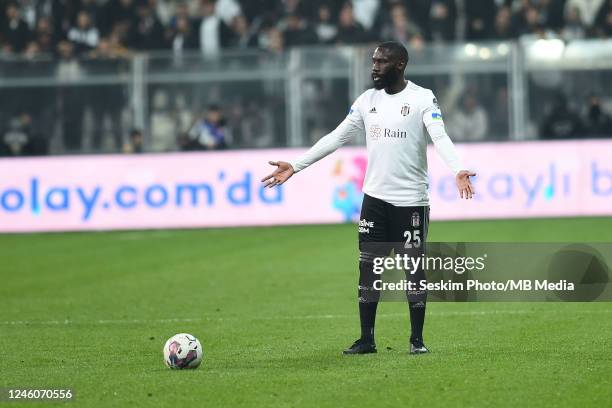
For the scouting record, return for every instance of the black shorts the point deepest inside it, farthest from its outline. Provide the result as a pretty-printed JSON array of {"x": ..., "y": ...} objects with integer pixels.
[
  {"x": 385, "y": 229},
  {"x": 385, "y": 223}
]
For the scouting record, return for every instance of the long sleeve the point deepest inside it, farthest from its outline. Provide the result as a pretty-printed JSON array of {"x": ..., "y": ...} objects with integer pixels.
[
  {"x": 432, "y": 119},
  {"x": 350, "y": 127},
  {"x": 444, "y": 147}
]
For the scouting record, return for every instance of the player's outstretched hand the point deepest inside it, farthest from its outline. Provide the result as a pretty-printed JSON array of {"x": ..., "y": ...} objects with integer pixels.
[
  {"x": 283, "y": 172},
  {"x": 464, "y": 185}
]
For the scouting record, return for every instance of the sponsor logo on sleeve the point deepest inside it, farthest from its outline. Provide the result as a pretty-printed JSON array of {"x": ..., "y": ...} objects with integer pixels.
[{"x": 436, "y": 115}]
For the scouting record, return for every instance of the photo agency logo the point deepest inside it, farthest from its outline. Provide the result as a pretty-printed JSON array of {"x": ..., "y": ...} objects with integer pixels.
[
  {"x": 494, "y": 271},
  {"x": 411, "y": 264}
]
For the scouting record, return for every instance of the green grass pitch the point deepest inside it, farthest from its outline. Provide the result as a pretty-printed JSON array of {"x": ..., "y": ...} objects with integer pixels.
[{"x": 273, "y": 308}]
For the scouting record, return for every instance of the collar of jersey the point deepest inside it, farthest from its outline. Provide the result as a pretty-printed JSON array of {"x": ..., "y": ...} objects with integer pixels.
[{"x": 396, "y": 94}]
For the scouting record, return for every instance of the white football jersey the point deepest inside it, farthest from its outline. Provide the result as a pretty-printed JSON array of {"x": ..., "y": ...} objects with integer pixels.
[{"x": 395, "y": 128}]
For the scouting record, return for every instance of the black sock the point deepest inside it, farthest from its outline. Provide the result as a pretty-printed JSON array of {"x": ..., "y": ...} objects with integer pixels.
[
  {"x": 368, "y": 297},
  {"x": 417, "y": 320},
  {"x": 367, "y": 316}
]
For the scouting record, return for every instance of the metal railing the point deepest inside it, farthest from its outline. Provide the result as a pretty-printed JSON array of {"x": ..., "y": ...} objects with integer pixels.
[{"x": 292, "y": 99}]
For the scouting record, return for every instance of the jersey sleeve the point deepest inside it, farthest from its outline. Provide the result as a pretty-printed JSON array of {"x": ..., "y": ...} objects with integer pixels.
[
  {"x": 432, "y": 119},
  {"x": 431, "y": 110},
  {"x": 350, "y": 127}
]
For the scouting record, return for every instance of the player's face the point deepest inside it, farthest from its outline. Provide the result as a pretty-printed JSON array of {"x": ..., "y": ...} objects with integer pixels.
[{"x": 384, "y": 69}]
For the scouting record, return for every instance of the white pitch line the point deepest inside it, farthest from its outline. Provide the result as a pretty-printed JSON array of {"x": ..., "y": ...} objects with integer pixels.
[{"x": 302, "y": 317}]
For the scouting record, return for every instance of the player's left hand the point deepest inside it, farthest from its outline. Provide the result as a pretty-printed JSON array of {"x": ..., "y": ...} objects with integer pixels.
[{"x": 464, "y": 185}]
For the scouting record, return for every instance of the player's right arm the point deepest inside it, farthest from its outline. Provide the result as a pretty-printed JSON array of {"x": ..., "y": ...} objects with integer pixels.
[{"x": 351, "y": 126}]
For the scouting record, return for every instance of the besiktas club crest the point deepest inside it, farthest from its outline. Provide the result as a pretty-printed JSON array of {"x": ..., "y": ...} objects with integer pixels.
[
  {"x": 416, "y": 220},
  {"x": 405, "y": 110}
]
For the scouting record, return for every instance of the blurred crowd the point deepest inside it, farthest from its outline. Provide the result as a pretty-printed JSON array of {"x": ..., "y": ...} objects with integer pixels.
[
  {"x": 31, "y": 27},
  {"x": 470, "y": 121},
  {"x": 89, "y": 35}
]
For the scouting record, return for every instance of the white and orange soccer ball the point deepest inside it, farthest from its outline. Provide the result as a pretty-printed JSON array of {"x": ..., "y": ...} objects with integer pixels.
[{"x": 183, "y": 351}]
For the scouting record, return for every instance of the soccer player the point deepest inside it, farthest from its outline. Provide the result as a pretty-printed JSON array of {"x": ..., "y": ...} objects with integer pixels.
[{"x": 395, "y": 210}]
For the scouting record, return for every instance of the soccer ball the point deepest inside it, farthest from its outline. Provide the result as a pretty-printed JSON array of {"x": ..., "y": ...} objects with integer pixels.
[{"x": 183, "y": 351}]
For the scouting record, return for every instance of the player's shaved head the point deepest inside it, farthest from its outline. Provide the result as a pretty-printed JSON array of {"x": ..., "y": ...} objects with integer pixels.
[
  {"x": 395, "y": 50},
  {"x": 388, "y": 66}
]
